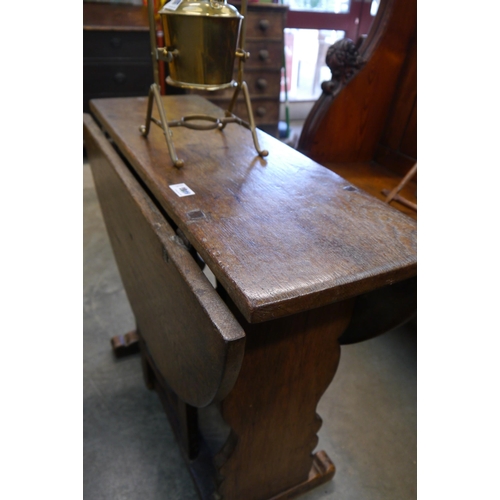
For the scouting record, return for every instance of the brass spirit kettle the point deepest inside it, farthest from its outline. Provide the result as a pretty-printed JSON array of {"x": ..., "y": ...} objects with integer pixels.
[{"x": 203, "y": 37}]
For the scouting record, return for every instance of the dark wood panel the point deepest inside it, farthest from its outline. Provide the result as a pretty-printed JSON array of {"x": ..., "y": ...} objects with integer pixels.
[
  {"x": 116, "y": 44},
  {"x": 196, "y": 342},
  {"x": 402, "y": 108},
  {"x": 118, "y": 77},
  {"x": 381, "y": 310},
  {"x": 281, "y": 234},
  {"x": 395, "y": 161},
  {"x": 410, "y": 140},
  {"x": 397, "y": 149}
]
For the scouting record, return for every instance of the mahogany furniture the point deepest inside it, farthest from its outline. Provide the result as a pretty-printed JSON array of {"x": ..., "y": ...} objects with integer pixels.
[
  {"x": 364, "y": 125},
  {"x": 304, "y": 262}
]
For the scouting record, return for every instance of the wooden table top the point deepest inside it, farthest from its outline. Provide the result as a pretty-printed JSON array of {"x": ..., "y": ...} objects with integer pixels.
[{"x": 282, "y": 234}]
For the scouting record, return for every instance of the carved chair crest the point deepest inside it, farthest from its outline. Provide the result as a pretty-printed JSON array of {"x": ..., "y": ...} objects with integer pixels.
[{"x": 344, "y": 62}]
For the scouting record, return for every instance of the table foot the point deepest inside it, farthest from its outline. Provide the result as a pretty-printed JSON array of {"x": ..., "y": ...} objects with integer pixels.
[
  {"x": 321, "y": 472},
  {"x": 124, "y": 345}
]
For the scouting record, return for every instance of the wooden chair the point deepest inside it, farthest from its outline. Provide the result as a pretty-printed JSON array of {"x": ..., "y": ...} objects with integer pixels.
[
  {"x": 394, "y": 194},
  {"x": 364, "y": 125}
]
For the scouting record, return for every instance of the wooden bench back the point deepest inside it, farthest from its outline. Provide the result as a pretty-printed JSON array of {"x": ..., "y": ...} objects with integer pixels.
[{"x": 371, "y": 116}]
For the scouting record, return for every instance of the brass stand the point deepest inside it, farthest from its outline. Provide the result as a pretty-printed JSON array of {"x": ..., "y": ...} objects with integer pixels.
[{"x": 213, "y": 122}]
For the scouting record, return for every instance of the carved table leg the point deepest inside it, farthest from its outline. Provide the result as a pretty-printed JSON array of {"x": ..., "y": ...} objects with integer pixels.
[{"x": 288, "y": 365}]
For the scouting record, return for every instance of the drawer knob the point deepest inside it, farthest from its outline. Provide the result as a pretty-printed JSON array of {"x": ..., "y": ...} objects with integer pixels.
[
  {"x": 116, "y": 42},
  {"x": 264, "y": 24},
  {"x": 263, "y": 55},
  {"x": 261, "y": 83},
  {"x": 260, "y": 111},
  {"x": 119, "y": 78}
]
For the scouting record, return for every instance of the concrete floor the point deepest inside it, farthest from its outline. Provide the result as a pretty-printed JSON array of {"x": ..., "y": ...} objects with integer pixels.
[{"x": 369, "y": 412}]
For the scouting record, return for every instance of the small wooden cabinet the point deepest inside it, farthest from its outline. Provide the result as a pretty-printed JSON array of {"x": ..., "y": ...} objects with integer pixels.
[{"x": 117, "y": 61}]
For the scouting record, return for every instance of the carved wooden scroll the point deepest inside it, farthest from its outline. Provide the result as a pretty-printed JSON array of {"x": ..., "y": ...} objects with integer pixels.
[{"x": 344, "y": 62}]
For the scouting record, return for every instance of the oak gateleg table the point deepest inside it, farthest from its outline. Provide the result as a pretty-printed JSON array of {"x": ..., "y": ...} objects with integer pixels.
[{"x": 304, "y": 262}]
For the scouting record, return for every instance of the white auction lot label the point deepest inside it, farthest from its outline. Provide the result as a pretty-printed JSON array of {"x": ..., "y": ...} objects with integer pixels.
[
  {"x": 181, "y": 189},
  {"x": 172, "y": 5}
]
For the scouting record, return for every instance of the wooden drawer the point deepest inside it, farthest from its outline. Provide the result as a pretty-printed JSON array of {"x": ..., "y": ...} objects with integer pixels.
[
  {"x": 265, "y": 23},
  {"x": 264, "y": 54},
  {"x": 263, "y": 83},
  {"x": 116, "y": 44},
  {"x": 121, "y": 77}
]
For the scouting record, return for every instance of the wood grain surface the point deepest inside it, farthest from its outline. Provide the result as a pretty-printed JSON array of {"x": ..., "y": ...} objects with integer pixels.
[
  {"x": 374, "y": 178},
  {"x": 195, "y": 341},
  {"x": 282, "y": 234}
]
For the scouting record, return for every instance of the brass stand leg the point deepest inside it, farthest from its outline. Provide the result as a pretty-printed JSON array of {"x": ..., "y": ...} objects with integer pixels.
[
  {"x": 243, "y": 86},
  {"x": 233, "y": 100},
  {"x": 145, "y": 128},
  {"x": 262, "y": 152},
  {"x": 154, "y": 93}
]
